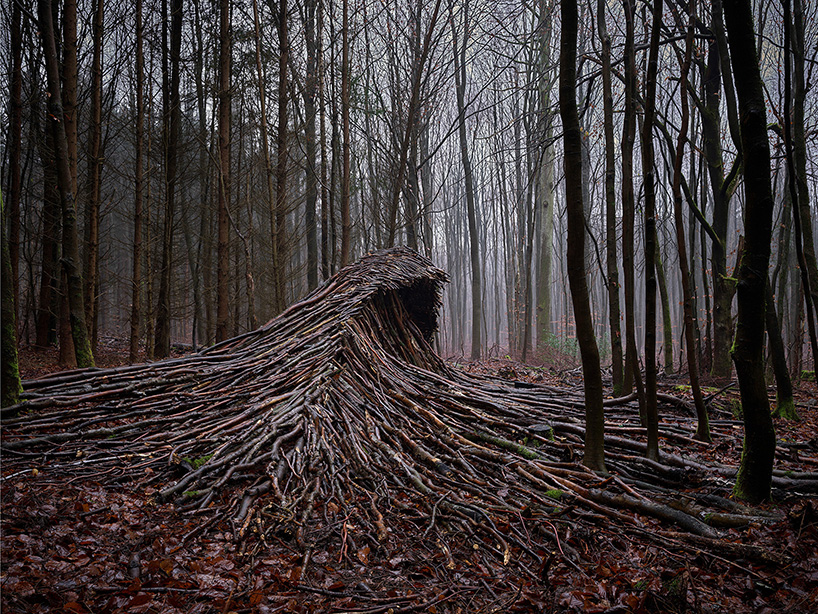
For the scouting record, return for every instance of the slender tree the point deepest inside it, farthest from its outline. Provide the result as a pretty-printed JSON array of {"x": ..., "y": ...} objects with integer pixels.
[
  {"x": 755, "y": 473},
  {"x": 171, "y": 125},
  {"x": 136, "y": 274},
  {"x": 10, "y": 388},
  {"x": 612, "y": 260},
  {"x": 223, "y": 256},
  {"x": 93, "y": 185},
  {"x": 572, "y": 144},
  {"x": 649, "y": 185},
  {"x": 70, "y": 256},
  {"x": 474, "y": 244},
  {"x": 632, "y": 374},
  {"x": 280, "y": 213},
  {"x": 703, "y": 421},
  {"x": 346, "y": 222}
]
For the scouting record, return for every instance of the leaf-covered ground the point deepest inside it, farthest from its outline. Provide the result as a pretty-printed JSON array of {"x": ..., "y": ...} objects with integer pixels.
[{"x": 78, "y": 546}]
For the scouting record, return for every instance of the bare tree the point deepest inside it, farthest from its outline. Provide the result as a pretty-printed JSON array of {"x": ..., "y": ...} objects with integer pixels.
[
  {"x": 755, "y": 473},
  {"x": 70, "y": 256},
  {"x": 594, "y": 455}
]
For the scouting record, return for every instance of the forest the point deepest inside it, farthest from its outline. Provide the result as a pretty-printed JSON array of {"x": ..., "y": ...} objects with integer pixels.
[{"x": 344, "y": 305}]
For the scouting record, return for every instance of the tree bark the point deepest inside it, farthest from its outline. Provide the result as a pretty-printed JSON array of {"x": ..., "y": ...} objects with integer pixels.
[
  {"x": 755, "y": 473},
  {"x": 632, "y": 374},
  {"x": 15, "y": 146},
  {"x": 136, "y": 275},
  {"x": 612, "y": 262},
  {"x": 90, "y": 275},
  {"x": 70, "y": 256},
  {"x": 785, "y": 403},
  {"x": 280, "y": 214},
  {"x": 703, "y": 421},
  {"x": 172, "y": 119},
  {"x": 346, "y": 224},
  {"x": 474, "y": 246},
  {"x": 10, "y": 371},
  {"x": 223, "y": 241},
  {"x": 648, "y": 170},
  {"x": 311, "y": 169},
  {"x": 594, "y": 418}
]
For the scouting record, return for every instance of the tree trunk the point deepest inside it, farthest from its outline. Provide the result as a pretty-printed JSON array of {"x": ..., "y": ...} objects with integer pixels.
[
  {"x": 311, "y": 168},
  {"x": 14, "y": 146},
  {"x": 10, "y": 371},
  {"x": 755, "y": 473},
  {"x": 280, "y": 214},
  {"x": 92, "y": 192},
  {"x": 785, "y": 403},
  {"x": 632, "y": 374},
  {"x": 795, "y": 142},
  {"x": 69, "y": 83},
  {"x": 703, "y": 422},
  {"x": 136, "y": 275},
  {"x": 594, "y": 417},
  {"x": 800, "y": 150},
  {"x": 474, "y": 246},
  {"x": 612, "y": 261},
  {"x": 47, "y": 305},
  {"x": 648, "y": 170},
  {"x": 345, "y": 219},
  {"x": 172, "y": 119},
  {"x": 70, "y": 255},
  {"x": 223, "y": 255},
  {"x": 667, "y": 321},
  {"x": 722, "y": 188}
]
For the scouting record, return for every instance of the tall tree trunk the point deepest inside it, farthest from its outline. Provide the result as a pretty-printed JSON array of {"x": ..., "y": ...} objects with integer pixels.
[
  {"x": 345, "y": 218},
  {"x": 411, "y": 117},
  {"x": 612, "y": 261},
  {"x": 265, "y": 145},
  {"x": 69, "y": 83},
  {"x": 797, "y": 163},
  {"x": 311, "y": 168},
  {"x": 47, "y": 305},
  {"x": 172, "y": 119},
  {"x": 280, "y": 215},
  {"x": 136, "y": 275},
  {"x": 92, "y": 192},
  {"x": 594, "y": 418},
  {"x": 322, "y": 112},
  {"x": 632, "y": 374},
  {"x": 755, "y": 472},
  {"x": 703, "y": 422},
  {"x": 10, "y": 371},
  {"x": 70, "y": 256},
  {"x": 474, "y": 246},
  {"x": 722, "y": 188},
  {"x": 667, "y": 320},
  {"x": 800, "y": 146},
  {"x": 223, "y": 256},
  {"x": 648, "y": 170},
  {"x": 15, "y": 145},
  {"x": 785, "y": 403}
]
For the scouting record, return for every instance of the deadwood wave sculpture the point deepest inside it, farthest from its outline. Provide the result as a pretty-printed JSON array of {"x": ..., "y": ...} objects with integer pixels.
[{"x": 341, "y": 403}]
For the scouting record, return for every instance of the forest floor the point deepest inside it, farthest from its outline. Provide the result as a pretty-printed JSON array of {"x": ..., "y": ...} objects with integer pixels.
[{"x": 79, "y": 546}]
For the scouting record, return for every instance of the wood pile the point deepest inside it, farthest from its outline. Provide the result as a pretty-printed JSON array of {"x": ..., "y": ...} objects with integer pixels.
[{"x": 340, "y": 408}]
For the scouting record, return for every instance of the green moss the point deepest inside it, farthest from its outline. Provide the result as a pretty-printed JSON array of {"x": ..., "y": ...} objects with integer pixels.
[
  {"x": 554, "y": 493},
  {"x": 785, "y": 409},
  {"x": 736, "y": 409},
  {"x": 808, "y": 376},
  {"x": 192, "y": 493},
  {"x": 517, "y": 448},
  {"x": 196, "y": 463}
]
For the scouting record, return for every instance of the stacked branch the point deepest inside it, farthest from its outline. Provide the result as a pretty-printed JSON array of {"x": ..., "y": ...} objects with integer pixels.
[{"x": 340, "y": 406}]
